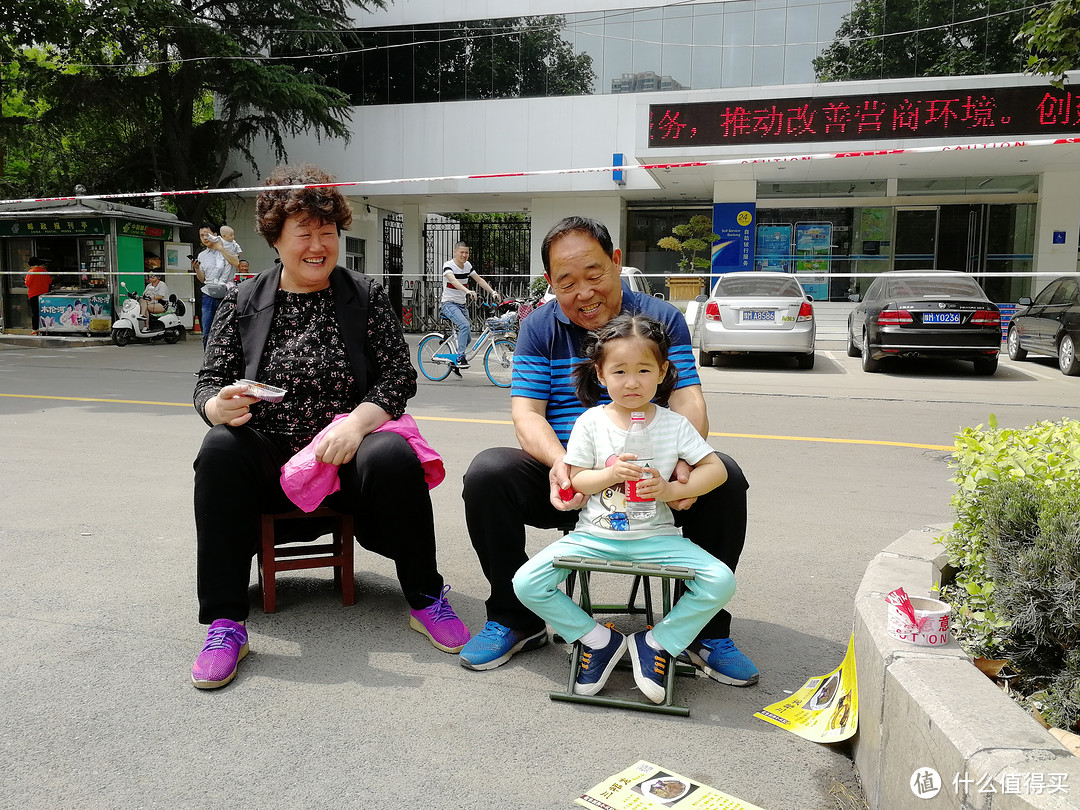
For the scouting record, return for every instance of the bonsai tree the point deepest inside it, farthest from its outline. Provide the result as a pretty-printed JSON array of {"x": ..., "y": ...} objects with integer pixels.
[{"x": 694, "y": 241}]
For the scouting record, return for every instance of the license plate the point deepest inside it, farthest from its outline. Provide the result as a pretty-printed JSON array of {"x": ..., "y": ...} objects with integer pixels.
[
  {"x": 941, "y": 317},
  {"x": 758, "y": 315}
]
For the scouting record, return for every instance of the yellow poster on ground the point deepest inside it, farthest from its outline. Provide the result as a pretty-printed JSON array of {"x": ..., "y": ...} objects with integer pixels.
[
  {"x": 646, "y": 786},
  {"x": 826, "y": 709}
]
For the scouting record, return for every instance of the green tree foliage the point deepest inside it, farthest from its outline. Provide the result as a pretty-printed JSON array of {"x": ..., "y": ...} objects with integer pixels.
[
  {"x": 142, "y": 94},
  {"x": 481, "y": 59},
  {"x": 885, "y": 39},
  {"x": 1052, "y": 40}
]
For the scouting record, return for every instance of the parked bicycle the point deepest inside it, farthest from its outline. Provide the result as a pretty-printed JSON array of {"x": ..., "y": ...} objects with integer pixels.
[{"x": 437, "y": 352}]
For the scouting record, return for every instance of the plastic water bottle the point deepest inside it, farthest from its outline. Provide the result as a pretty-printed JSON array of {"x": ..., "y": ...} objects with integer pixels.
[{"x": 639, "y": 442}]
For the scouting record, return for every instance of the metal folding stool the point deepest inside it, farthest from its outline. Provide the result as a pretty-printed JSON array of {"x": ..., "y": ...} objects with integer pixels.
[{"x": 580, "y": 570}]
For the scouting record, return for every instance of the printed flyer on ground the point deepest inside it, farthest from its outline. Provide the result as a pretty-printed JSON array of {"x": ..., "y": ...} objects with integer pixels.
[
  {"x": 826, "y": 709},
  {"x": 645, "y": 786}
]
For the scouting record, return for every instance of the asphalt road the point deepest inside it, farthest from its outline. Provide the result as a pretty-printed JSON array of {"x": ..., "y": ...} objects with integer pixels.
[{"x": 347, "y": 705}]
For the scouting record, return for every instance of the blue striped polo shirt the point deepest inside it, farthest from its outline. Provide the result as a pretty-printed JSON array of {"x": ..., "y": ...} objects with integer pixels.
[{"x": 548, "y": 348}]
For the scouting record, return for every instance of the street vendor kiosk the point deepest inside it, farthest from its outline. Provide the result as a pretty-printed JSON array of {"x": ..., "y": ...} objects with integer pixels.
[{"x": 90, "y": 247}]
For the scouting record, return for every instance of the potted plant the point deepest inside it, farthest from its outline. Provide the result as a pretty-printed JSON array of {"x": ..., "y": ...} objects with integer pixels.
[{"x": 693, "y": 242}]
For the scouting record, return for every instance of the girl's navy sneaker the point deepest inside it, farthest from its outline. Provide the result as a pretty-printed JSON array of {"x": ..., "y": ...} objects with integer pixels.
[
  {"x": 598, "y": 664},
  {"x": 650, "y": 667}
]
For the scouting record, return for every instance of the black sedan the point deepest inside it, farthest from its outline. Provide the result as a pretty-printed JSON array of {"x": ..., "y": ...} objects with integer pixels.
[
  {"x": 1049, "y": 325},
  {"x": 928, "y": 314}
]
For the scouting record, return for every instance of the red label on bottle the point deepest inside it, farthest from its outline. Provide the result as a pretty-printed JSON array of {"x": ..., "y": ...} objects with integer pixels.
[{"x": 631, "y": 489}]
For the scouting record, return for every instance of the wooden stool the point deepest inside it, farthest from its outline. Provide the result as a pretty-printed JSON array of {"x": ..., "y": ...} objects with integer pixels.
[
  {"x": 581, "y": 568},
  {"x": 295, "y": 556}
]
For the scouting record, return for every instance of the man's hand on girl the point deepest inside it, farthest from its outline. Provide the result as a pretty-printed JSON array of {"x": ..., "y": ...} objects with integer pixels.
[
  {"x": 682, "y": 475},
  {"x": 559, "y": 483}
]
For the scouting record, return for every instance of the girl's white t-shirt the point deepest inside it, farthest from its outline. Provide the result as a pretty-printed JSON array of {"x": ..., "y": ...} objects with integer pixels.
[{"x": 596, "y": 442}]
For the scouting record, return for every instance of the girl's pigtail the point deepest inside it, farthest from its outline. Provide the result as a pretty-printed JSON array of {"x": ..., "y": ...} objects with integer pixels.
[{"x": 586, "y": 383}]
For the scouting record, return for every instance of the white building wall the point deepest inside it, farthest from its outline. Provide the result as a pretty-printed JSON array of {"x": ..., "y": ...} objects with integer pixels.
[
  {"x": 416, "y": 142},
  {"x": 1059, "y": 210}
]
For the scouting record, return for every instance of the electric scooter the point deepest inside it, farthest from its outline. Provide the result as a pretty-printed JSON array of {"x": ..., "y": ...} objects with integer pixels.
[{"x": 165, "y": 325}]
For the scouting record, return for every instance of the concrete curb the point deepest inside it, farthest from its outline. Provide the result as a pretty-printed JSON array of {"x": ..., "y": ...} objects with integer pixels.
[
  {"x": 924, "y": 707},
  {"x": 52, "y": 341}
]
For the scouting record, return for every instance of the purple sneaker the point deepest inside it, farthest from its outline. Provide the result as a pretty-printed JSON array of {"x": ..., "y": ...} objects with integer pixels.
[
  {"x": 226, "y": 644},
  {"x": 440, "y": 624}
]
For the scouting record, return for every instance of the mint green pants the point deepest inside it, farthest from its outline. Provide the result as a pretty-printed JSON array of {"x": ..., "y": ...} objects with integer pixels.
[{"x": 537, "y": 584}]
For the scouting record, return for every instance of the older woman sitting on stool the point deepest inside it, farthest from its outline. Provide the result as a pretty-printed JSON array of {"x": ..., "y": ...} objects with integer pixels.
[{"x": 329, "y": 337}]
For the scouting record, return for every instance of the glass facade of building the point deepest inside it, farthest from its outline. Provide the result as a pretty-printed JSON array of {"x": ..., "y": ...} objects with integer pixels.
[
  {"x": 703, "y": 46},
  {"x": 990, "y": 240},
  {"x": 740, "y": 43}
]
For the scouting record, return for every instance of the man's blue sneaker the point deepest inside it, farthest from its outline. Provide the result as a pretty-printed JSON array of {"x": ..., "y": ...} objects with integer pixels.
[
  {"x": 721, "y": 660},
  {"x": 650, "y": 667},
  {"x": 496, "y": 644},
  {"x": 598, "y": 664}
]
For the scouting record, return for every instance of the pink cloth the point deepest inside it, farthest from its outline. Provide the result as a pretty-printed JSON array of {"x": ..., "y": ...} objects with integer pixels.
[{"x": 307, "y": 481}]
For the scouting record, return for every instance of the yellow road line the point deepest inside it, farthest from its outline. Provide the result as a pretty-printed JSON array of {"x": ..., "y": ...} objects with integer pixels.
[
  {"x": 765, "y": 436},
  {"x": 947, "y": 447},
  {"x": 93, "y": 399}
]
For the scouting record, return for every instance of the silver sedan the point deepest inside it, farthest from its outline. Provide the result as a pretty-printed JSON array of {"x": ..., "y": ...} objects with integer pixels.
[{"x": 757, "y": 312}]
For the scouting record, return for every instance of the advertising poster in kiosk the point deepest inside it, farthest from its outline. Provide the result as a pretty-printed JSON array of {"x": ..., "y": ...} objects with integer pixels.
[
  {"x": 773, "y": 248},
  {"x": 85, "y": 313},
  {"x": 813, "y": 246}
]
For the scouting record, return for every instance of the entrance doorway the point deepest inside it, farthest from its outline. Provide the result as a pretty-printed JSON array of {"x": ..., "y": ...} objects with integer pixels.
[{"x": 916, "y": 239}]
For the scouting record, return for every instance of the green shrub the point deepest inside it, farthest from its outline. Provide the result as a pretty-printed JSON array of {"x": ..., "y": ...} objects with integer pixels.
[{"x": 1016, "y": 549}]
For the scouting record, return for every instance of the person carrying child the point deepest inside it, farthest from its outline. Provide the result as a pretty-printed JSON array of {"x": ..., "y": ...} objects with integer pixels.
[{"x": 628, "y": 357}]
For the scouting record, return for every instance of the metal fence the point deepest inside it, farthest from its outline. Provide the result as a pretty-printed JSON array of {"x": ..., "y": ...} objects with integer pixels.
[{"x": 498, "y": 251}]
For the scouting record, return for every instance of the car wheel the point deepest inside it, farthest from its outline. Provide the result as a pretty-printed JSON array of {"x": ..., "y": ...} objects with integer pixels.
[
  {"x": 704, "y": 359},
  {"x": 805, "y": 361},
  {"x": 1013, "y": 342},
  {"x": 852, "y": 349},
  {"x": 986, "y": 366},
  {"x": 1067, "y": 361},
  {"x": 868, "y": 362}
]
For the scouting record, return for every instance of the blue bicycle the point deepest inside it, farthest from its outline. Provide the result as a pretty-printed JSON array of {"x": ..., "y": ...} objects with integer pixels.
[{"x": 438, "y": 352}]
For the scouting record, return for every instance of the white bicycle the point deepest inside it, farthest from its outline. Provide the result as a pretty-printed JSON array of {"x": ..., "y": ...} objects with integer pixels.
[{"x": 438, "y": 352}]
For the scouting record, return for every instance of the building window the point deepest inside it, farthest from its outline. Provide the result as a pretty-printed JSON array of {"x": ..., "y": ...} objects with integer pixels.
[
  {"x": 704, "y": 45},
  {"x": 355, "y": 253}
]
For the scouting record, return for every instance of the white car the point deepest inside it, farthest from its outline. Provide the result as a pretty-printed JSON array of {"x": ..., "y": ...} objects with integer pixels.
[{"x": 757, "y": 311}]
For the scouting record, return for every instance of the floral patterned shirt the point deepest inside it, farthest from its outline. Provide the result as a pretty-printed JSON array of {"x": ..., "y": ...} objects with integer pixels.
[{"x": 305, "y": 354}]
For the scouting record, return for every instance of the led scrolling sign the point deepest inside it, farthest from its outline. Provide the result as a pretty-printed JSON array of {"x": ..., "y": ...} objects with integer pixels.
[{"x": 884, "y": 116}]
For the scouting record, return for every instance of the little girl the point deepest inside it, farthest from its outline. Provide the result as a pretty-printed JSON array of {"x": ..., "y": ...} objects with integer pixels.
[{"x": 629, "y": 357}]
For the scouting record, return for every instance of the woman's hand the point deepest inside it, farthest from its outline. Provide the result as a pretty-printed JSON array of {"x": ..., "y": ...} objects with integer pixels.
[
  {"x": 230, "y": 406},
  {"x": 339, "y": 445}
]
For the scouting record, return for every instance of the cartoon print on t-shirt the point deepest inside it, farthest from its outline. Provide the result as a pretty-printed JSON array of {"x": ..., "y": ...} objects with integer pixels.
[{"x": 613, "y": 499}]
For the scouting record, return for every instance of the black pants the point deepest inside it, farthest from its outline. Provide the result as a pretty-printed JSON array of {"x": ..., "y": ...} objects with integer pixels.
[
  {"x": 506, "y": 489},
  {"x": 35, "y": 312},
  {"x": 237, "y": 476}
]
